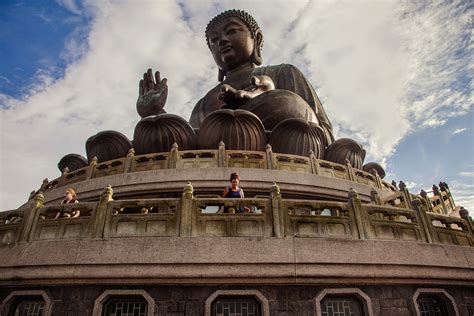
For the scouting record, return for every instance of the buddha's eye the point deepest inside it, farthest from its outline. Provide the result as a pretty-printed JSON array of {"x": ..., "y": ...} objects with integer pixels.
[
  {"x": 232, "y": 31},
  {"x": 214, "y": 40}
]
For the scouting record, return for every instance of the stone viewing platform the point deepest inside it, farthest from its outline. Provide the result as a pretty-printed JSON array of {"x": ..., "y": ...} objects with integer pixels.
[{"x": 151, "y": 233}]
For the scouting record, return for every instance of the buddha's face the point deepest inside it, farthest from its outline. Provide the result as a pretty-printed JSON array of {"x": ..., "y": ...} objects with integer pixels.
[{"x": 231, "y": 43}]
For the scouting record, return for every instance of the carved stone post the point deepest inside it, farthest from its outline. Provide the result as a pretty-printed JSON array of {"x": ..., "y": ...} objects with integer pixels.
[
  {"x": 128, "y": 167},
  {"x": 358, "y": 215},
  {"x": 375, "y": 197},
  {"x": 350, "y": 171},
  {"x": 30, "y": 218},
  {"x": 91, "y": 170},
  {"x": 271, "y": 162},
  {"x": 277, "y": 212},
  {"x": 64, "y": 175},
  {"x": 424, "y": 220},
  {"x": 378, "y": 181},
  {"x": 97, "y": 223},
  {"x": 186, "y": 212},
  {"x": 221, "y": 155},
  {"x": 465, "y": 215},
  {"x": 314, "y": 163},
  {"x": 173, "y": 158},
  {"x": 429, "y": 205}
]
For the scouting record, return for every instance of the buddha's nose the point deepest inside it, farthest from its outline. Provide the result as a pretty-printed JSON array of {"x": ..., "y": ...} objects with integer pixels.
[{"x": 223, "y": 40}]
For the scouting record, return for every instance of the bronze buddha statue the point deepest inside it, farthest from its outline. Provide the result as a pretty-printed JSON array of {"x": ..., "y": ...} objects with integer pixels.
[{"x": 271, "y": 93}]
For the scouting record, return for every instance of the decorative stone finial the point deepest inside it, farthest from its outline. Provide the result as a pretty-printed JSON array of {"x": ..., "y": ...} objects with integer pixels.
[
  {"x": 275, "y": 189},
  {"x": 435, "y": 190},
  {"x": 394, "y": 183},
  {"x": 268, "y": 147},
  {"x": 188, "y": 189},
  {"x": 108, "y": 190},
  {"x": 39, "y": 197},
  {"x": 221, "y": 144},
  {"x": 352, "y": 193},
  {"x": 66, "y": 170},
  {"x": 402, "y": 185},
  {"x": 442, "y": 187},
  {"x": 416, "y": 202},
  {"x": 423, "y": 193},
  {"x": 131, "y": 152},
  {"x": 463, "y": 212},
  {"x": 94, "y": 160},
  {"x": 174, "y": 146}
]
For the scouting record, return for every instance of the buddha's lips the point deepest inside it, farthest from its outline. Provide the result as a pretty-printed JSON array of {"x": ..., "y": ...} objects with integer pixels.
[{"x": 225, "y": 49}]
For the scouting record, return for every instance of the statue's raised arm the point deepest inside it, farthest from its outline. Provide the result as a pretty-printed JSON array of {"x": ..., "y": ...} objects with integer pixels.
[{"x": 152, "y": 94}]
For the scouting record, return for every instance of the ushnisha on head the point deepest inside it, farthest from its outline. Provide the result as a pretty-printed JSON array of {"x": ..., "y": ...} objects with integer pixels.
[{"x": 230, "y": 46}]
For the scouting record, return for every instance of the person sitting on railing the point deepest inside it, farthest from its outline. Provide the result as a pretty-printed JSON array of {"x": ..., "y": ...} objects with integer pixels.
[
  {"x": 234, "y": 192},
  {"x": 69, "y": 198}
]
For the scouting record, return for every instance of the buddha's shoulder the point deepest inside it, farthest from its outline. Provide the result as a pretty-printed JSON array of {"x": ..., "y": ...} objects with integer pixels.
[{"x": 276, "y": 70}]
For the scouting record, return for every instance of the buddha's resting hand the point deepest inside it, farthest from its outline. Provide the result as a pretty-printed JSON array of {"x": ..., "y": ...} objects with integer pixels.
[
  {"x": 234, "y": 98},
  {"x": 152, "y": 94}
]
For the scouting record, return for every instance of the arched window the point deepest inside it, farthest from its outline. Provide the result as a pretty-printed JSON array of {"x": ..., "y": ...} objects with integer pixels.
[
  {"x": 236, "y": 303},
  {"x": 28, "y": 303},
  {"x": 335, "y": 305},
  {"x": 124, "y": 303},
  {"x": 434, "y": 302},
  {"x": 28, "y": 306},
  {"x": 125, "y": 306},
  {"x": 343, "y": 302},
  {"x": 431, "y": 306}
]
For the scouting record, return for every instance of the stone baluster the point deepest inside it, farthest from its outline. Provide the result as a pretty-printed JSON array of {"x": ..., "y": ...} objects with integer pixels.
[
  {"x": 30, "y": 218},
  {"x": 186, "y": 212},
  {"x": 128, "y": 164},
  {"x": 424, "y": 220},
  {"x": 315, "y": 169},
  {"x": 424, "y": 196},
  {"x": 406, "y": 195},
  {"x": 375, "y": 197},
  {"x": 271, "y": 161},
  {"x": 359, "y": 215},
  {"x": 100, "y": 214},
  {"x": 378, "y": 181},
  {"x": 465, "y": 215},
  {"x": 63, "y": 178},
  {"x": 350, "y": 171},
  {"x": 173, "y": 157},
  {"x": 91, "y": 170},
  {"x": 221, "y": 155},
  {"x": 277, "y": 212}
]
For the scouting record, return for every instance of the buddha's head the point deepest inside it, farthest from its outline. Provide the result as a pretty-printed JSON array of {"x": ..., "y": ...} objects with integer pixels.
[{"x": 234, "y": 39}]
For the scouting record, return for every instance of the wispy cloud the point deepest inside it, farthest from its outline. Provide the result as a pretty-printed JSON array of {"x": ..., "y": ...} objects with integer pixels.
[
  {"x": 460, "y": 130},
  {"x": 382, "y": 69}
]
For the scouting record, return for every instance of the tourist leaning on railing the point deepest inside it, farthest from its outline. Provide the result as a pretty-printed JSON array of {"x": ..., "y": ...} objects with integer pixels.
[
  {"x": 234, "y": 192},
  {"x": 69, "y": 198}
]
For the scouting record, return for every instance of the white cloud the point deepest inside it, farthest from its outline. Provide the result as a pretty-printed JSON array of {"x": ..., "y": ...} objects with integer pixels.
[
  {"x": 467, "y": 174},
  {"x": 381, "y": 69},
  {"x": 460, "y": 130}
]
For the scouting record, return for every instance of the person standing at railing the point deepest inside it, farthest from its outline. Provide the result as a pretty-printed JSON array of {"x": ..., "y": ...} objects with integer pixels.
[
  {"x": 234, "y": 192},
  {"x": 69, "y": 198}
]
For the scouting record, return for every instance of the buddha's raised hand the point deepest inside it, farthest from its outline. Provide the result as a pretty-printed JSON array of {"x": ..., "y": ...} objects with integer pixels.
[{"x": 152, "y": 94}]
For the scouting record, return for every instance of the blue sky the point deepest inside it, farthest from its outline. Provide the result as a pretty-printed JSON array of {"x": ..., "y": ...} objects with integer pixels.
[{"x": 395, "y": 76}]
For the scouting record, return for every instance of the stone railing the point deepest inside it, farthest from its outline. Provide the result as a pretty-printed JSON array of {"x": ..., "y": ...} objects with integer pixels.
[
  {"x": 272, "y": 217},
  {"x": 219, "y": 158}
]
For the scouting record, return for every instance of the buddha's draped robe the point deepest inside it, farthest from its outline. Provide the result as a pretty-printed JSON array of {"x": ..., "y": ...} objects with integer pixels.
[{"x": 285, "y": 77}]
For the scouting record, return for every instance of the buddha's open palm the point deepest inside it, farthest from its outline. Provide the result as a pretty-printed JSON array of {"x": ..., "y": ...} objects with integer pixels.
[{"x": 152, "y": 94}]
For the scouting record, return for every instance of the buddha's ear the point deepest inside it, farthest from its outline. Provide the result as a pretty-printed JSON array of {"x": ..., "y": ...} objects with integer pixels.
[
  {"x": 221, "y": 75},
  {"x": 257, "y": 50}
]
